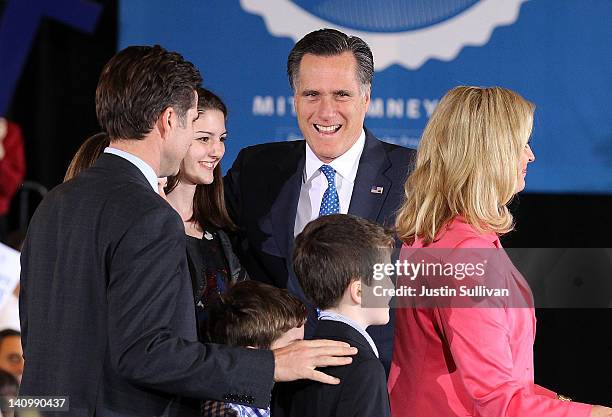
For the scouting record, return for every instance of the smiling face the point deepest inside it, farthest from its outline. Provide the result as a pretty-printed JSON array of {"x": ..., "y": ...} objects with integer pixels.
[
  {"x": 526, "y": 158},
  {"x": 330, "y": 104},
  {"x": 207, "y": 148}
]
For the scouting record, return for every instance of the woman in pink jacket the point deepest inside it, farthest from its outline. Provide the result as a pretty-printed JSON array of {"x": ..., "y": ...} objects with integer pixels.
[{"x": 448, "y": 361}]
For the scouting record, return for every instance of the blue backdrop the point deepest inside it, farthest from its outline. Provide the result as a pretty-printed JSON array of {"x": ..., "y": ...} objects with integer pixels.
[{"x": 555, "y": 53}]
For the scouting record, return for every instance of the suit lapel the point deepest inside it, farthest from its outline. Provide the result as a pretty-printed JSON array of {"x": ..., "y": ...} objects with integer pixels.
[
  {"x": 285, "y": 194},
  {"x": 370, "y": 176}
]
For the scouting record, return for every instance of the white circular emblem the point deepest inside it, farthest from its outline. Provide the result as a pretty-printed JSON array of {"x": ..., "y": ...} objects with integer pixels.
[{"x": 443, "y": 38}]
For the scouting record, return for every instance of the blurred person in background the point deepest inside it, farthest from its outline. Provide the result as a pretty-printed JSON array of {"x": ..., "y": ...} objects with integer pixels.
[
  {"x": 12, "y": 168},
  {"x": 11, "y": 354},
  {"x": 9, "y": 388}
]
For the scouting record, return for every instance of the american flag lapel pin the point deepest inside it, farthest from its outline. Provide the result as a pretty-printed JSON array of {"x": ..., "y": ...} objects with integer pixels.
[{"x": 376, "y": 189}]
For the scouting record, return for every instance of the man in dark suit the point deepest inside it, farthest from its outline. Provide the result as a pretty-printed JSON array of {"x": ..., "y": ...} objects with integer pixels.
[
  {"x": 334, "y": 259},
  {"x": 107, "y": 311},
  {"x": 273, "y": 190}
]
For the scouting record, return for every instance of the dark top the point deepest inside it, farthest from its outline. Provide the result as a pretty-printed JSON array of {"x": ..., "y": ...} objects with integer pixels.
[
  {"x": 106, "y": 305},
  {"x": 262, "y": 191},
  {"x": 362, "y": 391},
  {"x": 209, "y": 272}
]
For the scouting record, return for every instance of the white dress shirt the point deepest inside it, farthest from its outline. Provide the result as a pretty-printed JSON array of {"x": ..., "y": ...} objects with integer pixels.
[
  {"x": 145, "y": 168},
  {"x": 314, "y": 183}
]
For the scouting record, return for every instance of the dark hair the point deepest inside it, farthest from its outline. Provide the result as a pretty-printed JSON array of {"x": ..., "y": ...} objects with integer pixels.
[
  {"x": 209, "y": 199},
  {"x": 333, "y": 251},
  {"x": 87, "y": 154},
  {"x": 8, "y": 333},
  {"x": 331, "y": 42},
  {"x": 138, "y": 84},
  {"x": 252, "y": 313}
]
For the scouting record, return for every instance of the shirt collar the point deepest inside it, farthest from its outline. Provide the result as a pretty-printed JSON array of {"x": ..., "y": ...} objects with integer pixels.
[
  {"x": 456, "y": 231},
  {"x": 345, "y": 165},
  {"x": 332, "y": 315},
  {"x": 460, "y": 223},
  {"x": 145, "y": 168}
]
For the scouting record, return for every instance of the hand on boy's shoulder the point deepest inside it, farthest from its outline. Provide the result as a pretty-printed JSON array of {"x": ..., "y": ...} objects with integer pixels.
[{"x": 299, "y": 360}]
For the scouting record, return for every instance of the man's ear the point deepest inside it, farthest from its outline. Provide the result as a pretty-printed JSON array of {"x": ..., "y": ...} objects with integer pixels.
[
  {"x": 355, "y": 291},
  {"x": 166, "y": 122},
  {"x": 367, "y": 98}
]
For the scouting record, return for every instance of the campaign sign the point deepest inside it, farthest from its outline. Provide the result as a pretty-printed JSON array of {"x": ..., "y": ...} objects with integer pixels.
[{"x": 555, "y": 54}]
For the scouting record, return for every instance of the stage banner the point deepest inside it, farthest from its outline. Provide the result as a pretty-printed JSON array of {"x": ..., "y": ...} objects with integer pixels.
[{"x": 556, "y": 54}]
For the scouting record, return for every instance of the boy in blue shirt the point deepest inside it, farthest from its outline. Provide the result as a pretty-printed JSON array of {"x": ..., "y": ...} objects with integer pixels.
[{"x": 255, "y": 315}]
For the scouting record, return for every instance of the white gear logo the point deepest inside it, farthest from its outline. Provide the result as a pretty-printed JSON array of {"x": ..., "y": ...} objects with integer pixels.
[{"x": 411, "y": 49}]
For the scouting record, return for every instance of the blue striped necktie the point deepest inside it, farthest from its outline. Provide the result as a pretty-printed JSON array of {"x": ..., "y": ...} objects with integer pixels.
[{"x": 330, "y": 204}]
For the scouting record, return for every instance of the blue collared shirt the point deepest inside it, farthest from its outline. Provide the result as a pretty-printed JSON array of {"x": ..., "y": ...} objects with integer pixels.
[
  {"x": 330, "y": 315},
  {"x": 145, "y": 168}
]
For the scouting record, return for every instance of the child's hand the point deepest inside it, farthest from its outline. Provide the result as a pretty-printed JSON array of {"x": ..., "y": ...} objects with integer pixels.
[{"x": 299, "y": 360}]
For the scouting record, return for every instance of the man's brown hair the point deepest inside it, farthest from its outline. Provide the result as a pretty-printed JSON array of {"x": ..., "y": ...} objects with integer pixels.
[
  {"x": 252, "y": 313},
  {"x": 138, "y": 84},
  {"x": 332, "y": 251}
]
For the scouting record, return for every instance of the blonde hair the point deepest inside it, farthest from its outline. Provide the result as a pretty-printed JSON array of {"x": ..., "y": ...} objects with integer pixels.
[{"x": 467, "y": 163}]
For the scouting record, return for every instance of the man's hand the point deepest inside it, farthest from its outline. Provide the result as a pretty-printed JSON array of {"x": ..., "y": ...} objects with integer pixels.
[{"x": 299, "y": 360}]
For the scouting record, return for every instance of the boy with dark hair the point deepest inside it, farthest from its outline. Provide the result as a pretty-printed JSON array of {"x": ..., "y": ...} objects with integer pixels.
[
  {"x": 255, "y": 315},
  {"x": 334, "y": 260}
]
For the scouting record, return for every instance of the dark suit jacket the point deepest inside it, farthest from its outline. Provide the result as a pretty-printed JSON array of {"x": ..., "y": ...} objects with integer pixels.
[
  {"x": 262, "y": 191},
  {"x": 362, "y": 391},
  {"x": 107, "y": 310}
]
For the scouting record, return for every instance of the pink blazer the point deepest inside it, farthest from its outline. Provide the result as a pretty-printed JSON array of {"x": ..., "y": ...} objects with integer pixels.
[{"x": 469, "y": 361}]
